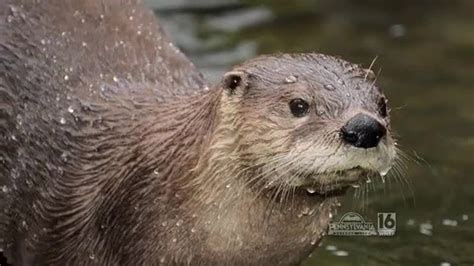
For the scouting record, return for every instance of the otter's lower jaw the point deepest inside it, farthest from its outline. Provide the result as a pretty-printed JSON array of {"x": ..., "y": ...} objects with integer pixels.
[{"x": 336, "y": 183}]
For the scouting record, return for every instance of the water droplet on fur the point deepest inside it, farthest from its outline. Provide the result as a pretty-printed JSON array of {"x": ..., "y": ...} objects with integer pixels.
[
  {"x": 329, "y": 87},
  {"x": 179, "y": 222},
  {"x": 4, "y": 189},
  {"x": 164, "y": 224},
  {"x": 62, "y": 120},
  {"x": 320, "y": 110},
  {"x": 330, "y": 215},
  {"x": 227, "y": 186},
  {"x": 64, "y": 157},
  {"x": 193, "y": 230},
  {"x": 84, "y": 44},
  {"x": 340, "y": 81},
  {"x": 368, "y": 180},
  {"x": 305, "y": 210},
  {"x": 66, "y": 77},
  {"x": 115, "y": 79},
  {"x": 70, "y": 109},
  {"x": 314, "y": 241},
  {"x": 291, "y": 79},
  {"x": 92, "y": 256},
  {"x": 341, "y": 253},
  {"x": 23, "y": 223},
  {"x": 269, "y": 184},
  {"x": 384, "y": 171},
  {"x": 356, "y": 186},
  {"x": 174, "y": 240},
  {"x": 156, "y": 172},
  {"x": 311, "y": 190}
]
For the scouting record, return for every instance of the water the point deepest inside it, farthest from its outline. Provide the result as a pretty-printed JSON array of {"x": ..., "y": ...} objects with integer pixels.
[{"x": 424, "y": 54}]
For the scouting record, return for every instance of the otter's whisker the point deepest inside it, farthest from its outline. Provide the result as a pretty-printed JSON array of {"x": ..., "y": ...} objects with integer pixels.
[{"x": 370, "y": 68}]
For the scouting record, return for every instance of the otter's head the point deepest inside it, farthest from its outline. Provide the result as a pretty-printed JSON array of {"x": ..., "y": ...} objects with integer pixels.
[{"x": 309, "y": 121}]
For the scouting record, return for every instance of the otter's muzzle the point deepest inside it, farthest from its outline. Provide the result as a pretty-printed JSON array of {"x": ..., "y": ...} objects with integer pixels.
[{"x": 363, "y": 131}]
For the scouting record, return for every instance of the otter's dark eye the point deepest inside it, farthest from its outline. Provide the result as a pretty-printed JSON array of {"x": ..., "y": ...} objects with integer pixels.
[
  {"x": 299, "y": 107},
  {"x": 234, "y": 82},
  {"x": 383, "y": 107}
]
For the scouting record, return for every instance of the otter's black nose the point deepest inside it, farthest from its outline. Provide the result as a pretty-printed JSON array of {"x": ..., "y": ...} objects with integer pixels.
[{"x": 363, "y": 131}]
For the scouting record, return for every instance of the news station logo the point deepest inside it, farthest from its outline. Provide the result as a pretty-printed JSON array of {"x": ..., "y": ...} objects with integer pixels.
[{"x": 353, "y": 224}]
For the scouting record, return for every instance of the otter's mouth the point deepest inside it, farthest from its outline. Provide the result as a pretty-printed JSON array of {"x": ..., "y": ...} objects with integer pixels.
[{"x": 336, "y": 183}]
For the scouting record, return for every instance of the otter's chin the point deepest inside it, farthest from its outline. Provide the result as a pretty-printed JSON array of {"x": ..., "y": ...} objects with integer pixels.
[{"x": 336, "y": 183}]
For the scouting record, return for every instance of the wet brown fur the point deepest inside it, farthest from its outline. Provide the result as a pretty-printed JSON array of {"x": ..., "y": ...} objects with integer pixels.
[{"x": 114, "y": 151}]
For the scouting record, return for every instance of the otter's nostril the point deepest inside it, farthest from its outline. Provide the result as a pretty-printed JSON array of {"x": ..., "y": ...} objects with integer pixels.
[
  {"x": 349, "y": 136},
  {"x": 363, "y": 131}
]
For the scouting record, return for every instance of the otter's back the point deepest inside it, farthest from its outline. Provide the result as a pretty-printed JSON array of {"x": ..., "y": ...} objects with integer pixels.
[{"x": 58, "y": 62}]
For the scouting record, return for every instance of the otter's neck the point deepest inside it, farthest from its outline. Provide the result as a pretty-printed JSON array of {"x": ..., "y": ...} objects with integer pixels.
[{"x": 234, "y": 219}]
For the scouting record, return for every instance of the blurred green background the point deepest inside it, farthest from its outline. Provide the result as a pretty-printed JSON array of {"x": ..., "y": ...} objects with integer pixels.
[{"x": 425, "y": 61}]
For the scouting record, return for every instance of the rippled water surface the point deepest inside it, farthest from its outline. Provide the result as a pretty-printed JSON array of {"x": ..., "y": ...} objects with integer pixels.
[{"x": 425, "y": 61}]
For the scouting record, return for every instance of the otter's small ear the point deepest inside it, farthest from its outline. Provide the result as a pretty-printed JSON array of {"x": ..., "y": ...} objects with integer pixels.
[{"x": 233, "y": 80}]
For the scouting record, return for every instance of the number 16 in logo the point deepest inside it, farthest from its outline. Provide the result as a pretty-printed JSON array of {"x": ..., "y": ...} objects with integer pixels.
[{"x": 386, "y": 223}]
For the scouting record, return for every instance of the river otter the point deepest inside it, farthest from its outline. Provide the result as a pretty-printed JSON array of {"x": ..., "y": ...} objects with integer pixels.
[{"x": 116, "y": 151}]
